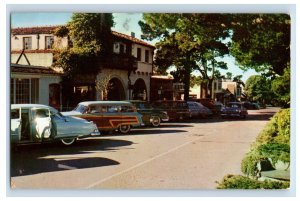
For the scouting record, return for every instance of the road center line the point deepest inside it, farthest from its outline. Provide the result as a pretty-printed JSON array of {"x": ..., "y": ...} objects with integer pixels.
[{"x": 140, "y": 164}]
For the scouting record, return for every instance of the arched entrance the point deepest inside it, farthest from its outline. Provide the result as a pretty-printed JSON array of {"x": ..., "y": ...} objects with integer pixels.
[
  {"x": 139, "y": 90},
  {"x": 115, "y": 90}
]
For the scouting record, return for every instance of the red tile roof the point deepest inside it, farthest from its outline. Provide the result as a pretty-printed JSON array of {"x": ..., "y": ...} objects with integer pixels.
[
  {"x": 17, "y": 68},
  {"x": 50, "y": 30},
  {"x": 31, "y": 51},
  {"x": 135, "y": 40},
  {"x": 33, "y": 30}
]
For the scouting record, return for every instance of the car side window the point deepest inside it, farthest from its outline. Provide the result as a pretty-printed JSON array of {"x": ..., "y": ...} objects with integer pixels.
[
  {"x": 15, "y": 114},
  {"x": 42, "y": 113}
]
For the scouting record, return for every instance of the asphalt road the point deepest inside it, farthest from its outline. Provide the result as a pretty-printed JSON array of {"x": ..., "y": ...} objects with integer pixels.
[{"x": 189, "y": 155}]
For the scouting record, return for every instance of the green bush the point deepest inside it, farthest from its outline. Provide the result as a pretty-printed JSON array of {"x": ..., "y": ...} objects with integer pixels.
[
  {"x": 275, "y": 151},
  {"x": 277, "y": 130},
  {"x": 242, "y": 182}
]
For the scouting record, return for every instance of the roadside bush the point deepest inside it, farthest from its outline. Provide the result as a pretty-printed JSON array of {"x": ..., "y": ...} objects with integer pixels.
[
  {"x": 272, "y": 144},
  {"x": 277, "y": 130},
  {"x": 242, "y": 182}
]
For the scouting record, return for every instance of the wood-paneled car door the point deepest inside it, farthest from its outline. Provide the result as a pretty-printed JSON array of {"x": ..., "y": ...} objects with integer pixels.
[{"x": 41, "y": 122}]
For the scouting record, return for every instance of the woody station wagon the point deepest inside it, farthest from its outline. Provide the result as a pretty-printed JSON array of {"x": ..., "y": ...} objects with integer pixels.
[
  {"x": 36, "y": 123},
  {"x": 109, "y": 115}
]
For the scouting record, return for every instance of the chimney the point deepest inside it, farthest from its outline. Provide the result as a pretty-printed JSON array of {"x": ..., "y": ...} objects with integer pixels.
[{"x": 132, "y": 34}]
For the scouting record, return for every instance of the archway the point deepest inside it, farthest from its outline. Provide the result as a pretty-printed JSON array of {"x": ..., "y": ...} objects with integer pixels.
[
  {"x": 139, "y": 90},
  {"x": 115, "y": 90}
]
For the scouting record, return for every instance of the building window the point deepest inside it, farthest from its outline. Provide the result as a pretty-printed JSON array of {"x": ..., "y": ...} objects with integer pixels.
[
  {"x": 122, "y": 49},
  {"x": 24, "y": 90},
  {"x": 27, "y": 43},
  {"x": 147, "y": 56},
  {"x": 238, "y": 91},
  {"x": 49, "y": 40},
  {"x": 219, "y": 85},
  {"x": 215, "y": 86},
  {"x": 139, "y": 54}
]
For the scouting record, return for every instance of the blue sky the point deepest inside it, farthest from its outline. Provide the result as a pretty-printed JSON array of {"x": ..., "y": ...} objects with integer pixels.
[{"x": 124, "y": 23}]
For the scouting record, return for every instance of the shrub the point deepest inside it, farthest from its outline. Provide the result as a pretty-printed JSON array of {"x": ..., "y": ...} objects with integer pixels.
[{"x": 242, "y": 182}]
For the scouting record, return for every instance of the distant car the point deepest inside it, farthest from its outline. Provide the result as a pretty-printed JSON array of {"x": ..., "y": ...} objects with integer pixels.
[
  {"x": 109, "y": 115},
  {"x": 32, "y": 123},
  {"x": 151, "y": 116},
  {"x": 198, "y": 110},
  {"x": 251, "y": 105},
  {"x": 234, "y": 109},
  {"x": 177, "y": 110}
]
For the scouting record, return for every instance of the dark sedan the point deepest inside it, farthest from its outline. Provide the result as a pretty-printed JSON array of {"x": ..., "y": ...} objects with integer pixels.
[
  {"x": 234, "y": 109},
  {"x": 150, "y": 115}
]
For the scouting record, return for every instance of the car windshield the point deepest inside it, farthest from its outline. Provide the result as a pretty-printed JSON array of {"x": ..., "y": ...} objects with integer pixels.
[{"x": 80, "y": 108}]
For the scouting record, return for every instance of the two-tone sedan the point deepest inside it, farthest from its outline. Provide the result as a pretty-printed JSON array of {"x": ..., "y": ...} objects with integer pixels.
[
  {"x": 151, "y": 116},
  {"x": 36, "y": 123}
]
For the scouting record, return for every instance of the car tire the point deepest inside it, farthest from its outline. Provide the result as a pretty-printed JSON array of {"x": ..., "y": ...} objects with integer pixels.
[
  {"x": 68, "y": 141},
  {"x": 124, "y": 129},
  {"x": 155, "y": 121}
]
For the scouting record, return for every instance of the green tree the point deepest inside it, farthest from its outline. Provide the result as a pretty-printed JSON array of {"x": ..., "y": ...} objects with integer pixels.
[
  {"x": 189, "y": 42},
  {"x": 261, "y": 42},
  {"x": 257, "y": 88},
  {"x": 90, "y": 39},
  {"x": 281, "y": 87}
]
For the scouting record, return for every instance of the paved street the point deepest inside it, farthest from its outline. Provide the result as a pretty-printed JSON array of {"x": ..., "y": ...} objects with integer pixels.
[{"x": 187, "y": 155}]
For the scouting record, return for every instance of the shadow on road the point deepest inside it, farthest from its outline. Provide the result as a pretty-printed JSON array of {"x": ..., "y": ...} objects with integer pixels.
[{"x": 39, "y": 158}]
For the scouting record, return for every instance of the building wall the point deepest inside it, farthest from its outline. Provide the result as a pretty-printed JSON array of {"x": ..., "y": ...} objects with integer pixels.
[
  {"x": 122, "y": 76},
  {"x": 44, "y": 82},
  {"x": 38, "y": 41},
  {"x": 35, "y": 59}
]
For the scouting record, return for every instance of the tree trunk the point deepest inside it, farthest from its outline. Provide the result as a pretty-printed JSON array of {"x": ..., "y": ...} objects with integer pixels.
[{"x": 187, "y": 76}]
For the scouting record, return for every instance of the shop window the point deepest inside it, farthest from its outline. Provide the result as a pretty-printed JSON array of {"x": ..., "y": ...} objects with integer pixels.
[{"x": 24, "y": 90}]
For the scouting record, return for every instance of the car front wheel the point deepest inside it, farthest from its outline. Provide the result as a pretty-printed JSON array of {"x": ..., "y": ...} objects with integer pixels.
[
  {"x": 155, "y": 121},
  {"x": 68, "y": 141},
  {"x": 124, "y": 129}
]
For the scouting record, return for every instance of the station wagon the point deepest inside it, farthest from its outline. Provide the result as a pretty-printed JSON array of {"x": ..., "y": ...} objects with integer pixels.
[
  {"x": 109, "y": 115},
  {"x": 35, "y": 123}
]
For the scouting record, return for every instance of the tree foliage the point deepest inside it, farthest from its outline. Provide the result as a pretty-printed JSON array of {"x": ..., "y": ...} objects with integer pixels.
[
  {"x": 281, "y": 87},
  {"x": 188, "y": 41},
  {"x": 261, "y": 42},
  {"x": 90, "y": 35},
  {"x": 257, "y": 88}
]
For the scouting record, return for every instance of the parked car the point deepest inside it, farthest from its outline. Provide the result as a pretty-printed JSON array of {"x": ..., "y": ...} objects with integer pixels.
[
  {"x": 109, "y": 115},
  {"x": 176, "y": 110},
  {"x": 198, "y": 110},
  {"x": 234, "y": 109},
  {"x": 210, "y": 104},
  {"x": 251, "y": 105},
  {"x": 40, "y": 123},
  {"x": 151, "y": 116}
]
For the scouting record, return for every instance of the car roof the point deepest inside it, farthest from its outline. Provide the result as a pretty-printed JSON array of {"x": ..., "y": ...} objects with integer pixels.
[
  {"x": 14, "y": 106},
  {"x": 234, "y": 103},
  {"x": 86, "y": 103}
]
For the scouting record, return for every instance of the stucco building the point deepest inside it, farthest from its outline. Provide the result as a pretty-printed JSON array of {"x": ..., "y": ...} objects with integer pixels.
[{"x": 129, "y": 70}]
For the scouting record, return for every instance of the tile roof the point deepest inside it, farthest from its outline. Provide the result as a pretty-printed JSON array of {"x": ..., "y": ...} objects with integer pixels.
[
  {"x": 33, "y": 30},
  {"x": 50, "y": 30},
  {"x": 135, "y": 40},
  {"x": 17, "y": 68}
]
